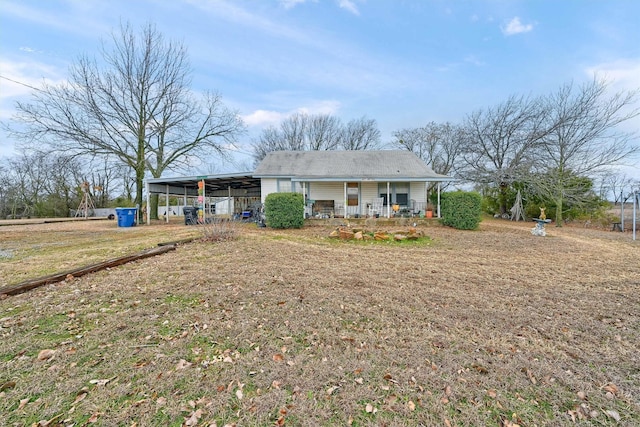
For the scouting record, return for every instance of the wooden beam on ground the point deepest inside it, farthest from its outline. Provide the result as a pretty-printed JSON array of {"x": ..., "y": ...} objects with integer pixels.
[
  {"x": 27, "y": 285},
  {"x": 178, "y": 242}
]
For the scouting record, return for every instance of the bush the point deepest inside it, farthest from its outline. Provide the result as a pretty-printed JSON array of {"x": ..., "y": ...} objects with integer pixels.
[
  {"x": 462, "y": 210},
  {"x": 219, "y": 230},
  {"x": 284, "y": 210}
]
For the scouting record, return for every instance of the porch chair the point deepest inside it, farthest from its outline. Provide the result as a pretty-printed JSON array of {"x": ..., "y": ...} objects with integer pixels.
[{"x": 376, "y": 206}]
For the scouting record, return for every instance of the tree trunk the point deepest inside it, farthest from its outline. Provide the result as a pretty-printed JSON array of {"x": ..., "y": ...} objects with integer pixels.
[
  {"x": 502, "y": 198},
  {"x": 139, "y": 185},
  {"x": 153, "y": 208},
  {"x": 559, "y": 212}
]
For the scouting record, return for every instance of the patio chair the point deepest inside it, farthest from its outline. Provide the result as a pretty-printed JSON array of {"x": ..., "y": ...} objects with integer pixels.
[{"x": 376, "y": 206}]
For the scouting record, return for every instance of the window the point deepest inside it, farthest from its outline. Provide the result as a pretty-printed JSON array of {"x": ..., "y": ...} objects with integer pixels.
[
  {"x": 352, "y": 194},
  {"x": 398, "y": 191}
]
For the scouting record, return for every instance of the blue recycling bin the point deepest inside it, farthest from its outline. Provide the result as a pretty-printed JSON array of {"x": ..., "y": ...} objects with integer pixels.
[{"x": 126, "y": 216}]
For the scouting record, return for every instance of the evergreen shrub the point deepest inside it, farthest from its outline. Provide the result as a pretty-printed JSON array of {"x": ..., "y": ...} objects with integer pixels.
[
  {"x": 284, "y": 210},
  {"x": 462, "y": 210}
]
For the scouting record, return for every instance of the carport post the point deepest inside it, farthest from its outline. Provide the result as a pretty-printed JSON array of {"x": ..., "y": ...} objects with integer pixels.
[
  {"x": 148, "y": 203},
  {"x": 167, "y": 203}
]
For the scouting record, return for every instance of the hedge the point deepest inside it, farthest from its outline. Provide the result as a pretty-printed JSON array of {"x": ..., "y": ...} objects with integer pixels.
[
  {"x": 284, "y": 210},
  {"x": 462, "y": 210}
]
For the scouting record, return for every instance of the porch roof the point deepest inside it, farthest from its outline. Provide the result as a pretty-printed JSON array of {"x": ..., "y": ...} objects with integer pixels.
[{"x": 362, "y": 165}]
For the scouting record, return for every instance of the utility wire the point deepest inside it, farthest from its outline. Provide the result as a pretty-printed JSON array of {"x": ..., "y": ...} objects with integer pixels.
[{"x": 20, "y": 83}]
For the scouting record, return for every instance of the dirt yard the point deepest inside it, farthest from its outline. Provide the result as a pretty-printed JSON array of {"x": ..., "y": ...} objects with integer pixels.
[{"x": 492, "y": 327}]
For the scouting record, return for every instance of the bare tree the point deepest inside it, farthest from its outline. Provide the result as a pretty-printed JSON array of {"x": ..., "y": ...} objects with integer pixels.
[
  {"x": 613, "y": 186},
  {"x": 360, "y": 134},
  {"x": 302, "y": 132},
  {"x": 439, "y": 145},
  {"x": 583, "y": 138},
  {"x": 323, "y": 132},
  {"x": 500, "y": 143},
  {"x": 134, "y": 105}
]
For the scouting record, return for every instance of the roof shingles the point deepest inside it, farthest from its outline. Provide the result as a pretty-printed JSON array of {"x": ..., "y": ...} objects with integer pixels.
[{"x": 365, "y": 164}]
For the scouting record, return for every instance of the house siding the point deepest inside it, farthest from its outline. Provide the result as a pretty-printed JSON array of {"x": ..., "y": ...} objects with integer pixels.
[
  {"x": 268, "y": 186},
  {"x": 367, "y": 192},
  {"x": 327, "y": 191}
]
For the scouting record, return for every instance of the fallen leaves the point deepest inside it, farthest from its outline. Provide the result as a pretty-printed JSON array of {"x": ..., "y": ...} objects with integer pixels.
[
  {"x": 530, "y": 375},
  {"x": 331, "y": 390},
  {"x": 613, "y": 414},
  {"x": 480, "y": 368},
  {"x": 23, "y": 403},
  {"x": 102, "y": 382},
  {"x": 81, "y": 395},
  {"x": 46, "y": 354},
  {"x": 611, "y": 389},
  {"x": 8, "y": 385},
  {"x": 183, "y": 364},
  {"x": 194, "y": 418}
]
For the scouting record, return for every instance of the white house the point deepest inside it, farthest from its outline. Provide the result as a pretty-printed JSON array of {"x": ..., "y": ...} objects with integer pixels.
[
  {"x": 351, "y": 183},
  {"x": 334, "y": 183}
]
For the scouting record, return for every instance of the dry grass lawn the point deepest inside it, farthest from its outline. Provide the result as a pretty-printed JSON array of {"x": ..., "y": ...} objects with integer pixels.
[{"x": 468, "y": 328}]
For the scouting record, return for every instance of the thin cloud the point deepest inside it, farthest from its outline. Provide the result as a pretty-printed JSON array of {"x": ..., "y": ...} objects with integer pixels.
[
  {"x": 289, "y": 4},
  {"x": 70, "y": 19},
  {"x": 515, "y": 26},
  {"x": 624, "y": 74},
  {"x": 266, "y": 118},
  {"x": 263, "y": 118},
  {"x": 349, "y": 5},
  {"x": 30, "y": 49},
  {"x": 472, "y": 59}
]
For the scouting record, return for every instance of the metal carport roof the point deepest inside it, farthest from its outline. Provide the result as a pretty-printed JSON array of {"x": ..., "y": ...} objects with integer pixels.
[{"x": 180, "y": 186}]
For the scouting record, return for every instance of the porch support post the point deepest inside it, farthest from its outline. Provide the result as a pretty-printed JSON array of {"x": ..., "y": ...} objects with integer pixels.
[
  {"x": 166, "y": 197},
  {"x": 229, "y": 204},
  {"x": 304, "y": 200},
  {"x": 388, "y": 200},
  {"x": 344, "y": 185},
  {"x": 184, "y": 198},
  {"x": 204, "y": 202}
]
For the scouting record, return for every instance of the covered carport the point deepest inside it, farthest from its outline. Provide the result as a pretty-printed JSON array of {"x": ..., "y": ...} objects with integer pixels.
[{"x": 238, "y": 189}]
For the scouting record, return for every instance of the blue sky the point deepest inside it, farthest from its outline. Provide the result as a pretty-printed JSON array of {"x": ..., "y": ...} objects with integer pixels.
[{"x": 402, "y": 62}]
